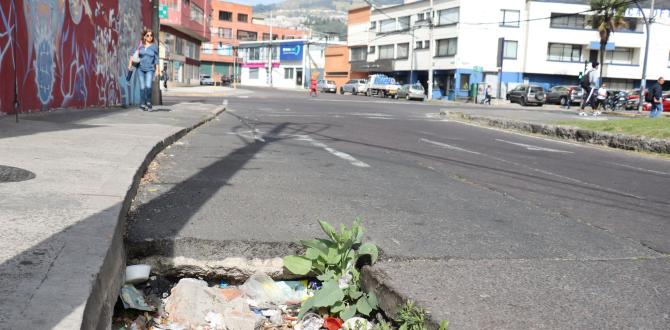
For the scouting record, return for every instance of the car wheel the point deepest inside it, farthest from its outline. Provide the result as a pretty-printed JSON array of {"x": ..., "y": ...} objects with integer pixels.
[
  {"x": 563, "y": 100},
  {"x": 540, "y": 104},
  {"x": 407, "y": 97},
  {"x": 354, "y": 92},
  {"x": 523, "y": 101}
]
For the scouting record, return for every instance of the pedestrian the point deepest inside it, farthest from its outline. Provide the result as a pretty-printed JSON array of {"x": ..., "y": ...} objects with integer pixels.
[
  {"x": 601, "y": 98},
  {"x": 589, "y": 83},
  {"x": 165, "y": 78},
  {"x": 656, "y": 95},
  {"x": 312, "y": 88},
  {"x": 568, "y": 98},
  {"x": 147, "y": 69},
  {"x": 487, "y": 94}
]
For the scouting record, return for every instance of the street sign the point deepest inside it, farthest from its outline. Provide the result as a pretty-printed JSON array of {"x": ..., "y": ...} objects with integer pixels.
[
  {"x": 478, "y": 68},
  {"x": 163, "y": 11}
]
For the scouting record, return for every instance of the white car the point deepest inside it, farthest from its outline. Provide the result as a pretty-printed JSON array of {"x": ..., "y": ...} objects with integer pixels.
[
  {"x": 326, "y": 86},
  {"x": 206, "y": 80}
]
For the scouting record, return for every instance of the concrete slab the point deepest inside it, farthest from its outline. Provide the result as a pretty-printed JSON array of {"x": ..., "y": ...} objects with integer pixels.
[
  {"x": 61, "y": 251},
  {"x": 503, "y": 294}
]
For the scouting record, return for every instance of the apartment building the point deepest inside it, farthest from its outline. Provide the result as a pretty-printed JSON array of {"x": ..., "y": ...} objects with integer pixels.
[
  {"x": 182, "y": 33},
  {"x": 232, "y": 23},
  {"x": 544, "y": 43}
]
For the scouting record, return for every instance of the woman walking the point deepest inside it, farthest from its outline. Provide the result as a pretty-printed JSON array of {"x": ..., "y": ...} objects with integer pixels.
[{"x": 147, "y": 68}]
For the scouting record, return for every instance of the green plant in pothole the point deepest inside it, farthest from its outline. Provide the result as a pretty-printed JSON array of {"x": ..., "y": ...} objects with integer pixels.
[
  {"x": 413, "y": 317},
  {"x": 334, "y": 261}
]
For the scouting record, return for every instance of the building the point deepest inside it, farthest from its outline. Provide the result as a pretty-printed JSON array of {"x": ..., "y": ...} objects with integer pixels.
[
  {"x": 181, "y": 36},
  {"x": 292, "y": 64},
  {"x": 230, "y": 24},
  {"x": 545, "y": 43},
  {"x": 337, "y": 67}
]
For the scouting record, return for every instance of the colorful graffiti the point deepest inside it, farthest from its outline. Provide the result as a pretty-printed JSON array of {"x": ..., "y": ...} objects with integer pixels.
[{"x": 68, "y": 53}]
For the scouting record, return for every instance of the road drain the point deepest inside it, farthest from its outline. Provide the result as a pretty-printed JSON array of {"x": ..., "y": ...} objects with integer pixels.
[{"x": 14, "y": 174}]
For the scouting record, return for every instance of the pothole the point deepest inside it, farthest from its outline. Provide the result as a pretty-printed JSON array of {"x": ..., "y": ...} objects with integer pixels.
[{"x": 14, "y": 174}]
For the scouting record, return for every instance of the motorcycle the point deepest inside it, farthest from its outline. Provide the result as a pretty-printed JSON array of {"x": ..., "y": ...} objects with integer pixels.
[{"x": 616, "y": 101}]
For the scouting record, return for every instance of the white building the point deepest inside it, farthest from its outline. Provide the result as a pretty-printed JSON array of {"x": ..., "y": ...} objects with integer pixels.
[
  {"x": 293, "y": 62},
  {"x": 547, "y": 42}
]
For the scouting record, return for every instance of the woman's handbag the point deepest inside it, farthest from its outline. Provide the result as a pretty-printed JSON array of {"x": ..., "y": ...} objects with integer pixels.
[{"x": 136, "y": 58}]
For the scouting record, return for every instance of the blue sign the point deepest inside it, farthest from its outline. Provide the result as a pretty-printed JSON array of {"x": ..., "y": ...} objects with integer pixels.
[
  {"x": 596, "y": 45},
  {"x": 290, "y": 52}
]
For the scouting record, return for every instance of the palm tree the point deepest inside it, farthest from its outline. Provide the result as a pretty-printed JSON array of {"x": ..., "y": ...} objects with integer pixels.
[{"x": 608, "y": 16}]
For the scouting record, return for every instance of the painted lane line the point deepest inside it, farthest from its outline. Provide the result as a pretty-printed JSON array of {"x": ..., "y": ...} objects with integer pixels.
[
  {"x": 641, "y": 169},
  {"x": 379, "y": 118},
  {"x": 535, "y": 148},
  {"x": 351, "y": 159},
  {"x": 450, "y": 147},
  {"x": 243, "y": 97}
]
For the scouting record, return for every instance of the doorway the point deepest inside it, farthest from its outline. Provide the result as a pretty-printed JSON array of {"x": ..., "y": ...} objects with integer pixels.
[{"x": 298, "y": 77}]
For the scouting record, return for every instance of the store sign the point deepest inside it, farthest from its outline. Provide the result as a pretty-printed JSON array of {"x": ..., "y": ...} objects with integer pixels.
[
  {"x": 290, "y": 52},
  {"x": 163, "y": 11},
  {"x": 376, "y": 66},
  {"x": 596, "y": 45}
]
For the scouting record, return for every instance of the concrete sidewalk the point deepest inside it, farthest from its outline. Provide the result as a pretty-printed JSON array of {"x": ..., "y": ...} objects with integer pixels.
[{"x": 61, "y": 247}]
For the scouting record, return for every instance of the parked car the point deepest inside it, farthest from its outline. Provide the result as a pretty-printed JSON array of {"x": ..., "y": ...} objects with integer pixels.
[
  {"x": 558, "y": 94},
  {"x": 412, "y": 92},
  {"x": 527, "y": 94},
  {"x": 634, "y": 99},
  {"x": 326, "y": 86},
  {"x": 354, "y": 86},
  {"x": 206, "y": 79}
]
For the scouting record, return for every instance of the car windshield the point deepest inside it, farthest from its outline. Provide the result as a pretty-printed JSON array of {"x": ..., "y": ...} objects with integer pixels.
[
  {"x": 417, "y": 87},
  {"x": 535, "y": 89},
  {"x": 330, "y": 82},
  {"x": 206, "y": 77}
]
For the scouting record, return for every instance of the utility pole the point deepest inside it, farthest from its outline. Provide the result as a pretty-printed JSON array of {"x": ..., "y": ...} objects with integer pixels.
[
  {"x": 270, "y": 52},
  {"x": 156, "y": 97},
  {"x": 431, "y": 51},
  {"x": 411, "y": 57},
  {"x": 647, "y": 23}
]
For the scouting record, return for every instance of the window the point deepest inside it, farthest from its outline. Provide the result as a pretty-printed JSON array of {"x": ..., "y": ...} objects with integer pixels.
[
  {"x": 197, "y": 14},
  {"x": 420, "y": 17},
  {"x": 465, "y": 81},
  {"x": 372, "y": 49},
  {"x": 242, "y": 18},
  {"x": 567, "y": 21},
  {"x": 386, "y": 52},
  {"x": 266, "y": 36},
  {"x": 565, "y": 53},
  {"x": 206, "y": 48},
  {"x": 446, "y": 47},
  {"x": 252, "y": 54},
  {"x": 225, "y": 16},
  {"x": 632, "y": 25},
  {"x": 426, "y": 44},
  {"x": 403, "y": 50},
  {"x": 447, "y": 16},
  {"x": 403, "y": 23},
  {"x": 179, "y": 46},
  {"x": 510, "y": 18},
  {"x": 246, "y": 35},
  {"x": 373, "y": 26},
  {"x": 225, "y": 50},
  {"x": 387, "y": 25},
  {"x": 418, "y": 45},
  {"x": 288, "y": 73},
  {"x": 253, "y": 73},
  {"x": 225, "y": 33},
  {"x": 509, "y": 49},
  {"x": 359, "y": 54},
  {"x": 620, "y": 56}
]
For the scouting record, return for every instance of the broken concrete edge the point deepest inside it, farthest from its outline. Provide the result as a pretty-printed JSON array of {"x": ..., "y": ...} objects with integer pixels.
[
  {"x": 390, "y": 299},
  {"x": 619, "y": 141},
  {"x": 99, "y": 306}
]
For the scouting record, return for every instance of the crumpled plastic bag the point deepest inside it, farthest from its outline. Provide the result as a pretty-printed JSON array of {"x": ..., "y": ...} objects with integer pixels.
[
  {"x": 266, "y": 292},
  {"x": 310, "y": 321}
]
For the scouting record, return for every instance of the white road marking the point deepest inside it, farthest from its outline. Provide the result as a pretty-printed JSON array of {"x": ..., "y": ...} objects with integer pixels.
[
  {"x": 351, "y": 159},
  {"x": 447, "y": 146},
  {"x": 535, "y": 148},
  {"x": 368, "y": 114},
  {"x": 641, "y": 169},
  {"x": 255, "y": 134},
  {"x": 243, "y": 96},
  {"x": 378, "y": 118}
]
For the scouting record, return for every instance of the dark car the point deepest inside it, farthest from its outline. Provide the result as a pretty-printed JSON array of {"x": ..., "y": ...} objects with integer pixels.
[
  {"x": 559, "y": 94},
  {"x": 527, "y": 94}
]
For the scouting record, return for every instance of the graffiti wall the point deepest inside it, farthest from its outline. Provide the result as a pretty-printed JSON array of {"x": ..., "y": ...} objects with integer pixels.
[{"x": 68, "y": 53}]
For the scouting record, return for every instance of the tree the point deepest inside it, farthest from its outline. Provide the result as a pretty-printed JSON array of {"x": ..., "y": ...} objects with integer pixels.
[{"x": 608, "y": 16}]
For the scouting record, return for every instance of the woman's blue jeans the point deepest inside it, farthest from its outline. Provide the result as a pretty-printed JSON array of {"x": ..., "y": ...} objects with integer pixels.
[{"x": 146, "y": 78}]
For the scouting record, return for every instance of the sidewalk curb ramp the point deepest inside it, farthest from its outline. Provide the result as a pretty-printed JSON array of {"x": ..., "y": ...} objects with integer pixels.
[
  {"x": 619, "y": 141},
  {"x": 99, "y": 306}
]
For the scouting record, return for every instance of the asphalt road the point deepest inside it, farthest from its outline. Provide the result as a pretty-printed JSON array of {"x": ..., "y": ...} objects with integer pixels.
[{"x": 488, "y": 229}]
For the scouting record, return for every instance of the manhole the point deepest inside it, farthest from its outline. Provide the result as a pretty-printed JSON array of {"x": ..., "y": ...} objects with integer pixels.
[{"x": 14, "y": 174}]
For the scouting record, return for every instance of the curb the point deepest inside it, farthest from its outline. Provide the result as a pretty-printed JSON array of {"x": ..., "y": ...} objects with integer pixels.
[
  {"x": 619, "y": 141},
  {"x": 390, "y": 300},
  {"x": 99, "y": 306}
]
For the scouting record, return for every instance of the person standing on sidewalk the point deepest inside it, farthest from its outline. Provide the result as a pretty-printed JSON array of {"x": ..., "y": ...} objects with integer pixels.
[
  {"x": 487, "y": 95},
  {"x": 568, "y": 98},
  {"x": 656, "y": 94},
  {"x": 589, "y": 83},
  {"x": 312, "y": 88},
  {"x": 147, "y": 69},
  {"x": 602, "y": 97}
]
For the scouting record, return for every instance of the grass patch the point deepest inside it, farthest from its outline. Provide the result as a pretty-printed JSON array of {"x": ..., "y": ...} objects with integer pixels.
[{"x": 649, "y": 127}]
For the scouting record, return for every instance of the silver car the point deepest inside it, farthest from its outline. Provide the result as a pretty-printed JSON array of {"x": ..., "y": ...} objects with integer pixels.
[
  {"x": 354, "y": 86},
  {"x": 326, "y": 86},
  {"x": 412, "y": 92}
]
